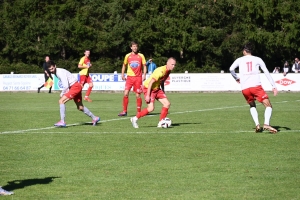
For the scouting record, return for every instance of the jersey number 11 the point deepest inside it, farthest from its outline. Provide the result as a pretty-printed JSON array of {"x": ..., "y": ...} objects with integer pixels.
[{"x": 249, "y": 66}]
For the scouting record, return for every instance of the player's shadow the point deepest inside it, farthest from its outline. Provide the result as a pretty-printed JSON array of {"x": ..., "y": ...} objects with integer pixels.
[
  {"x": 19, "y": 184},
  {"x": 88, "y": 124},
  {"x": 177, "y": 124},
  {"x": 282, "y": 127},
  {"x": 278, "y": 128},
  {"x": 180, "y": 124}
]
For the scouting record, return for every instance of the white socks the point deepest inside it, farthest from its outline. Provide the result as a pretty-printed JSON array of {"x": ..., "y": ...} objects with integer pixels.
[
  {"x": 268, "y": 114},
  {"x": 254, "y": 115}
]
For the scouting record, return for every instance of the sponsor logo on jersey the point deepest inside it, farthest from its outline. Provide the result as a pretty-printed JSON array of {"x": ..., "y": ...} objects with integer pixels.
[{"x": 134, "y": 64}]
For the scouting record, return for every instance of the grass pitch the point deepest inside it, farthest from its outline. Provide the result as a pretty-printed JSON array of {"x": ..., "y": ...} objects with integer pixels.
[{"x": 210, "y": 152}]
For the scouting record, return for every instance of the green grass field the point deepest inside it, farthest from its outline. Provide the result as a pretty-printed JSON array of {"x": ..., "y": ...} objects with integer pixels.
[{"x": 210, "y": 152}]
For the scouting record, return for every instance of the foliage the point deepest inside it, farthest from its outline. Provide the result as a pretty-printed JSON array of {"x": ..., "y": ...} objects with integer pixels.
[{"x": 198, "y": 33}]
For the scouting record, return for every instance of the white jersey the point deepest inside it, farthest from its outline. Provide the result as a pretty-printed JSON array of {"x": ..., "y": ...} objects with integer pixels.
[
  {"x": 66, "y": 79},
  {"x": 249, "y": 71}
]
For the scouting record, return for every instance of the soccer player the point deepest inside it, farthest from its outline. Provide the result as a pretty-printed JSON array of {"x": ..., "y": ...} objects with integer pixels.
[
  {"x": 47, "y": 74},
  {"x": 84, "y": 64},
  {"x": 251, "y": 85},
  {"x": 152, "y": 92},
  {"x": 135, "y": 76},
  {"x": 71, "y": 90}
]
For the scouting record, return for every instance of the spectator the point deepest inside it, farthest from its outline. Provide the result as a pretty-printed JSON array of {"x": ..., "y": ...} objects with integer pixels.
[
  {"x": 276, "y": 70},
  {"x": 151, "y": 66},
  {"x": 286, "y": 68},
  {"x": 296, "y": 66}
]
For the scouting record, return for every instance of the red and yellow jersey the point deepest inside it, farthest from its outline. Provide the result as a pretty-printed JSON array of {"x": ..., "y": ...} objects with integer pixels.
[
  {"x": 160, "y": 74},
  {"x": 135, "y": 63},
  {"x": 85, "y": 61}
]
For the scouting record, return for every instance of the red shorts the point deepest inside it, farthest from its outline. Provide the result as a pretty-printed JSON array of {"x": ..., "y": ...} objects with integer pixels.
[
  {"x": 75, "y": 92},
  {"x": 85, "y": 79},
  {"x": 135, "y": 82},
  {"x": 155, "y": 94},
  {"x": 255, "y": 93}
]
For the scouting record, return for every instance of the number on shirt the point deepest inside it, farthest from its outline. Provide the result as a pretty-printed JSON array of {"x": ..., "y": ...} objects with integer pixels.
[{"x": 249, "y": 66}]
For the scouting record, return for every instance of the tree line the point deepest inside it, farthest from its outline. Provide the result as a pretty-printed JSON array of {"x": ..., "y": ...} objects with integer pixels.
[{"x": 203, "y": 35}]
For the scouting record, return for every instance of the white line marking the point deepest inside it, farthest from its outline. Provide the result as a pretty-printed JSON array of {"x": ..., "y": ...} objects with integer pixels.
[
  {"x": 166, "y": 132},
  {"x": 125, "y": 118}
]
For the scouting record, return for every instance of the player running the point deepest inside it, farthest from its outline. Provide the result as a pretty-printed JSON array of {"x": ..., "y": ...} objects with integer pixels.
[
  {"x": 85, "y": 64},
  {"x": 152, "y": 92},
  {"x": 251, "y": 85}
]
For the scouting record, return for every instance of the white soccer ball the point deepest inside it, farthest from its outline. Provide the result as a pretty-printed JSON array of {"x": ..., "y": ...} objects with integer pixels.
[{"x": 166, "y": 123}]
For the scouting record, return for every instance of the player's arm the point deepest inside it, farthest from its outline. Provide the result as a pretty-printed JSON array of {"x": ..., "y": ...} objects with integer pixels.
[
  {"x": 144, "y": 72},
  {"x": 147, "y": 97},
  {"x": 123, "y": 72},
  {"x": 232, "y": 71},
  {"x": 144, "y": 67},
  {"x": 82, "y": 65},
  {"x": 269, "y": 77}
]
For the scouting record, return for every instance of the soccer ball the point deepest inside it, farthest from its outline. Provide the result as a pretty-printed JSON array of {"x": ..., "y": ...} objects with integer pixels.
[{"x": 166, "y": 123}]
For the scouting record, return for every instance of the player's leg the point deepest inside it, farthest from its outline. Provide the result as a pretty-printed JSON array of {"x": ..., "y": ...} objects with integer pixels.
[
  {"x": 88, "y": 80},
  {"x": 145, "y": 111},
  {"x": 46, "y": 78},
  {"x": 253, "y": 112},
  {"x": 85, "y": 110},
  {"x": 268, "y": 115},
  {"x": 137, "y": 88},
  {"x": 62, "y": 110},
  {"x": 164, "y": 110},
  {"x": 138, "y": 102},
  {"x": 128, "y": 86},
  {"x": 262, "y": 97}
]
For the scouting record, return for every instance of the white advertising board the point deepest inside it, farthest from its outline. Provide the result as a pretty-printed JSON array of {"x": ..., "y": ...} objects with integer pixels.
[{"x": 176, "y": 82}]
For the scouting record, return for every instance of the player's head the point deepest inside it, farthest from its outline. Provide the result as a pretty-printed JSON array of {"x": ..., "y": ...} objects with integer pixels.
[
  {"x": 171, "y": 63},
  {"x": 134, "y": 46},
  {"x": 87, "y": 53},
  {"x": 51, "y": 66},
  {"x": 247, "y": 49}
]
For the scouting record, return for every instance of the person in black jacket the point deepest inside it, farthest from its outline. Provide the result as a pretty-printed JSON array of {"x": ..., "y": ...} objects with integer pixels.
[{"x": 47, "y": 74}]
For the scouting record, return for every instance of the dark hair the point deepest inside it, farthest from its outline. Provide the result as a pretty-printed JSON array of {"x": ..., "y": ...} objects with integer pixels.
[
  {"x": 133, "y": 43},
  {"x": 248, "y": 48},
  {"x": 50, "y": 63}
]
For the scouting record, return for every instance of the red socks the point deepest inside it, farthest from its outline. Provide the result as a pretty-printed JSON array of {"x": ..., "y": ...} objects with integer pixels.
[
  {"x": 139, "y": 104},
  {"x": 88, "y": 92},
  {"x": 163, "y": 113},
  {"x": 142, "y": 113},
  {"x": 125, "y": 103}
]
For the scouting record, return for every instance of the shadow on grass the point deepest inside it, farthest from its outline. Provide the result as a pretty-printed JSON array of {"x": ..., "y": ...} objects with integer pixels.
[
  {"x": 282, "y": 127},
  {"x": 19, "y": 184},
  {"x": 180, "y": 124},
  {"x": 79, "y": 124},
  {"x": 177, "y": 124}
]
